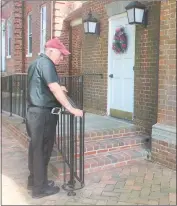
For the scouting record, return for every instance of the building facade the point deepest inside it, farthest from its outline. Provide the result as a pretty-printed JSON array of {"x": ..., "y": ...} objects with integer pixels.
[
  {"x": 143, "y": 86},
  {"x": 27, "y": 25},
  {"x": 139, "y": 85}
]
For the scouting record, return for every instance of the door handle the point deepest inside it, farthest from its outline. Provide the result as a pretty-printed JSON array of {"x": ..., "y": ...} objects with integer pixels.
[{"x": 111, "y": 75}]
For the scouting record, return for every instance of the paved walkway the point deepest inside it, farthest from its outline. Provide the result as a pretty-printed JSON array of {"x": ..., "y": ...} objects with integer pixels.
[{"x": 144, "y": 183}]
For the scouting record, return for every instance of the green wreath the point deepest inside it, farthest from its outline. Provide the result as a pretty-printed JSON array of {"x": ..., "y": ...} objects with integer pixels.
[{"x": 120, "y": 41}]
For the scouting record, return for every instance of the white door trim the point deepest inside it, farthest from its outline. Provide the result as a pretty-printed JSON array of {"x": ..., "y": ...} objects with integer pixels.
[
  {"x": 117, "y": 16},
  {"x": 109, "y": 58},
  {"x": 76, "y": 22},
  {"x": 109, "y": 54}
]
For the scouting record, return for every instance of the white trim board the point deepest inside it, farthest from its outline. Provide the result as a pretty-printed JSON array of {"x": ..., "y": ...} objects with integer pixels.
[
  {"x": 117, "y": 16},
  {"x": 76, "y": 22}
]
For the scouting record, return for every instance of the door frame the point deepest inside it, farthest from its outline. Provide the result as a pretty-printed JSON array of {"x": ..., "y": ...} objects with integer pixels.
[{"x": 109, "y": 57}]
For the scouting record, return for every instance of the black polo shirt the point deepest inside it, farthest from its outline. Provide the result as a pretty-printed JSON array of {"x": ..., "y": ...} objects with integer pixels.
[{"x": 40, "y": 73}]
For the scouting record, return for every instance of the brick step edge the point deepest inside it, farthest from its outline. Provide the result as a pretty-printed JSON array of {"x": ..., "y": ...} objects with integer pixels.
[
  {"x": 113, "y": 133},
  {"x": 58, "y": 156},
  {"x": 120, "y": 145},
  {"x": 97, "y": 147},
  {"x": 102, "y": 162}
]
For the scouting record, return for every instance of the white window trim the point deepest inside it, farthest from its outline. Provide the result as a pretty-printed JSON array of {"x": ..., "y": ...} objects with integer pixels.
[
  {"x": 8, "y": 50},
  {"x": 43, "y": 24},
  {"x": 3, "y": 45},
  {"x": 29, "y": 54}
]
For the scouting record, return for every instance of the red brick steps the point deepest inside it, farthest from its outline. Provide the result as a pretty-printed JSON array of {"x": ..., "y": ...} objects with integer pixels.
[
  {"x": 126, "y": 150},
  {"x": 96, "y": 147},
  {"x": 113, "y": 133},
  {"x": 128, "y": 130},
  {"x": 113, "y": 159},
  {"x": 105, "y": 161}
]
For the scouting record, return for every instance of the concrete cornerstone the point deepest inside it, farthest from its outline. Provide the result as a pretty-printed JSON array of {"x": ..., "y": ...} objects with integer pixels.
[{"x": 164, "y": 145}]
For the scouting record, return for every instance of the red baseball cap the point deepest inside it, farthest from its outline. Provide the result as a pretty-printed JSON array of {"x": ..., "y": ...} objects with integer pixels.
[{"x": 57, "y": 44}]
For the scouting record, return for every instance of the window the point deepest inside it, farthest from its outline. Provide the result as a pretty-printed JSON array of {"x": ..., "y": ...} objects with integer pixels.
[
  {"x": 43, "y": 28},
  {"x": 9, "y": 38},
  {"x": 3, "y": 54},
  {"x": 29, "y": 34}
]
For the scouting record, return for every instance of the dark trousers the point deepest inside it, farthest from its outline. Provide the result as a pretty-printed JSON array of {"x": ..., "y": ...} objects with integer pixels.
[{"x": 41, "y": 128}]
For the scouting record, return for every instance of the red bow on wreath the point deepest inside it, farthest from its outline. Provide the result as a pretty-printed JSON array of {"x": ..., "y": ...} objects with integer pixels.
[{"x": 120, "y": 41}]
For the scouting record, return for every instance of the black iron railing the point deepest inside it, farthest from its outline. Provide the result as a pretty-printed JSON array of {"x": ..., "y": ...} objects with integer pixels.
[
  {"x": 70, "y": 143},
  {"x": 74, "y": 84},
  {"x": 70, "y": 129},
  {"x": 14, "y": 92}
]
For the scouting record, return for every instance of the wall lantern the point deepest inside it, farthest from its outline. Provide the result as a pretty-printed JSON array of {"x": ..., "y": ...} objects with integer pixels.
[
  {"x": 137, "y": 13},
  {"x": 91, "y": 25}
]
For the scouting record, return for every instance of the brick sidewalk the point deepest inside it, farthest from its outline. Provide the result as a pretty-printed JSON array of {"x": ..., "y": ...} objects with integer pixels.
[{"x": 143, "y": 183}]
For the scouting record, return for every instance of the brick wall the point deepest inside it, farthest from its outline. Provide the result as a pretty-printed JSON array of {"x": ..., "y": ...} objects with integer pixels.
[
  {"x": 95, "y": 60},
  {"x": 164, "y": 132},
  {"x": 146, "y": 69},
  {"x": 60, "y": 29},
  {"x": 34, "y": 7},
  {"x": 18, "y": 37},
  {"x": 76, "y": 50},
  {"x": 167, "y": 64},
  {"x": 56, "y": 12},
  {"x": 89, "y": 56},
  {"x": 18, "y": 61}
]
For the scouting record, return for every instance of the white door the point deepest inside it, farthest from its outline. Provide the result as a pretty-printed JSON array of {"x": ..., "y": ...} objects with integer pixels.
[
  {"x": 3, "y": 46},
  {"x": 120, "y": 71}
]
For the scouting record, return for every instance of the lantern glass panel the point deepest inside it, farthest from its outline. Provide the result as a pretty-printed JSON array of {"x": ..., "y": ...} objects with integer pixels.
[
  {"x": 139, "y": 13},
  {"x": 130, "y": 13},
  {"x": 92, "y": 27},
  {"x": 86, "y": 27}
]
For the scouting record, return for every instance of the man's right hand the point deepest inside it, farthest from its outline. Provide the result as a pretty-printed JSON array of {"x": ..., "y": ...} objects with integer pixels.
[
  {"x": 57, "y": 91},
  {"x": 77, "y": 112}
]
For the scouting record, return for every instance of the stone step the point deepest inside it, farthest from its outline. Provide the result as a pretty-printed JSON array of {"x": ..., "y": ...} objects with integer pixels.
[{"x": 104, "y": 161}]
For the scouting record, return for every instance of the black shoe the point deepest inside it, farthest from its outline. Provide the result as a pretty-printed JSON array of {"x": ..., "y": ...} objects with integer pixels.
[
  {"x": 50, "y": 183},
  {"x": 46, "y": 192}
]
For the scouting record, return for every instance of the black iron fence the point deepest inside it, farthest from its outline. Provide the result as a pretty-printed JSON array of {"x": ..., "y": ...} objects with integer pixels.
[
  {"x": 74, "y": 84},
  {"x": 70, "y": 129},
  {"x": 14, "y": 92},
  {"x": 70, "y": 143}
]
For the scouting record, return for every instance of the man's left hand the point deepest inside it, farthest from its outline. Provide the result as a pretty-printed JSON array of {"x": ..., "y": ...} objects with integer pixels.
[{"x": 64, "y": 88}]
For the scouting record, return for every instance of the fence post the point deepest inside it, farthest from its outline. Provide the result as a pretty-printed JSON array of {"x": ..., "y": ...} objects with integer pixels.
[
  {"x": 71, "y": 182},
  {"x": 82, "y": 146},
  {"x": 2, "y": 84},
  {"x": 82, "y": 92},
  {"x": 24, "y": 98},
  {"x": 11, "y": 91}
]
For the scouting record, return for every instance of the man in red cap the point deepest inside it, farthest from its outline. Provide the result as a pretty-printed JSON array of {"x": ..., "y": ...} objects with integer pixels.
[{"x": 44, "y": 94}]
